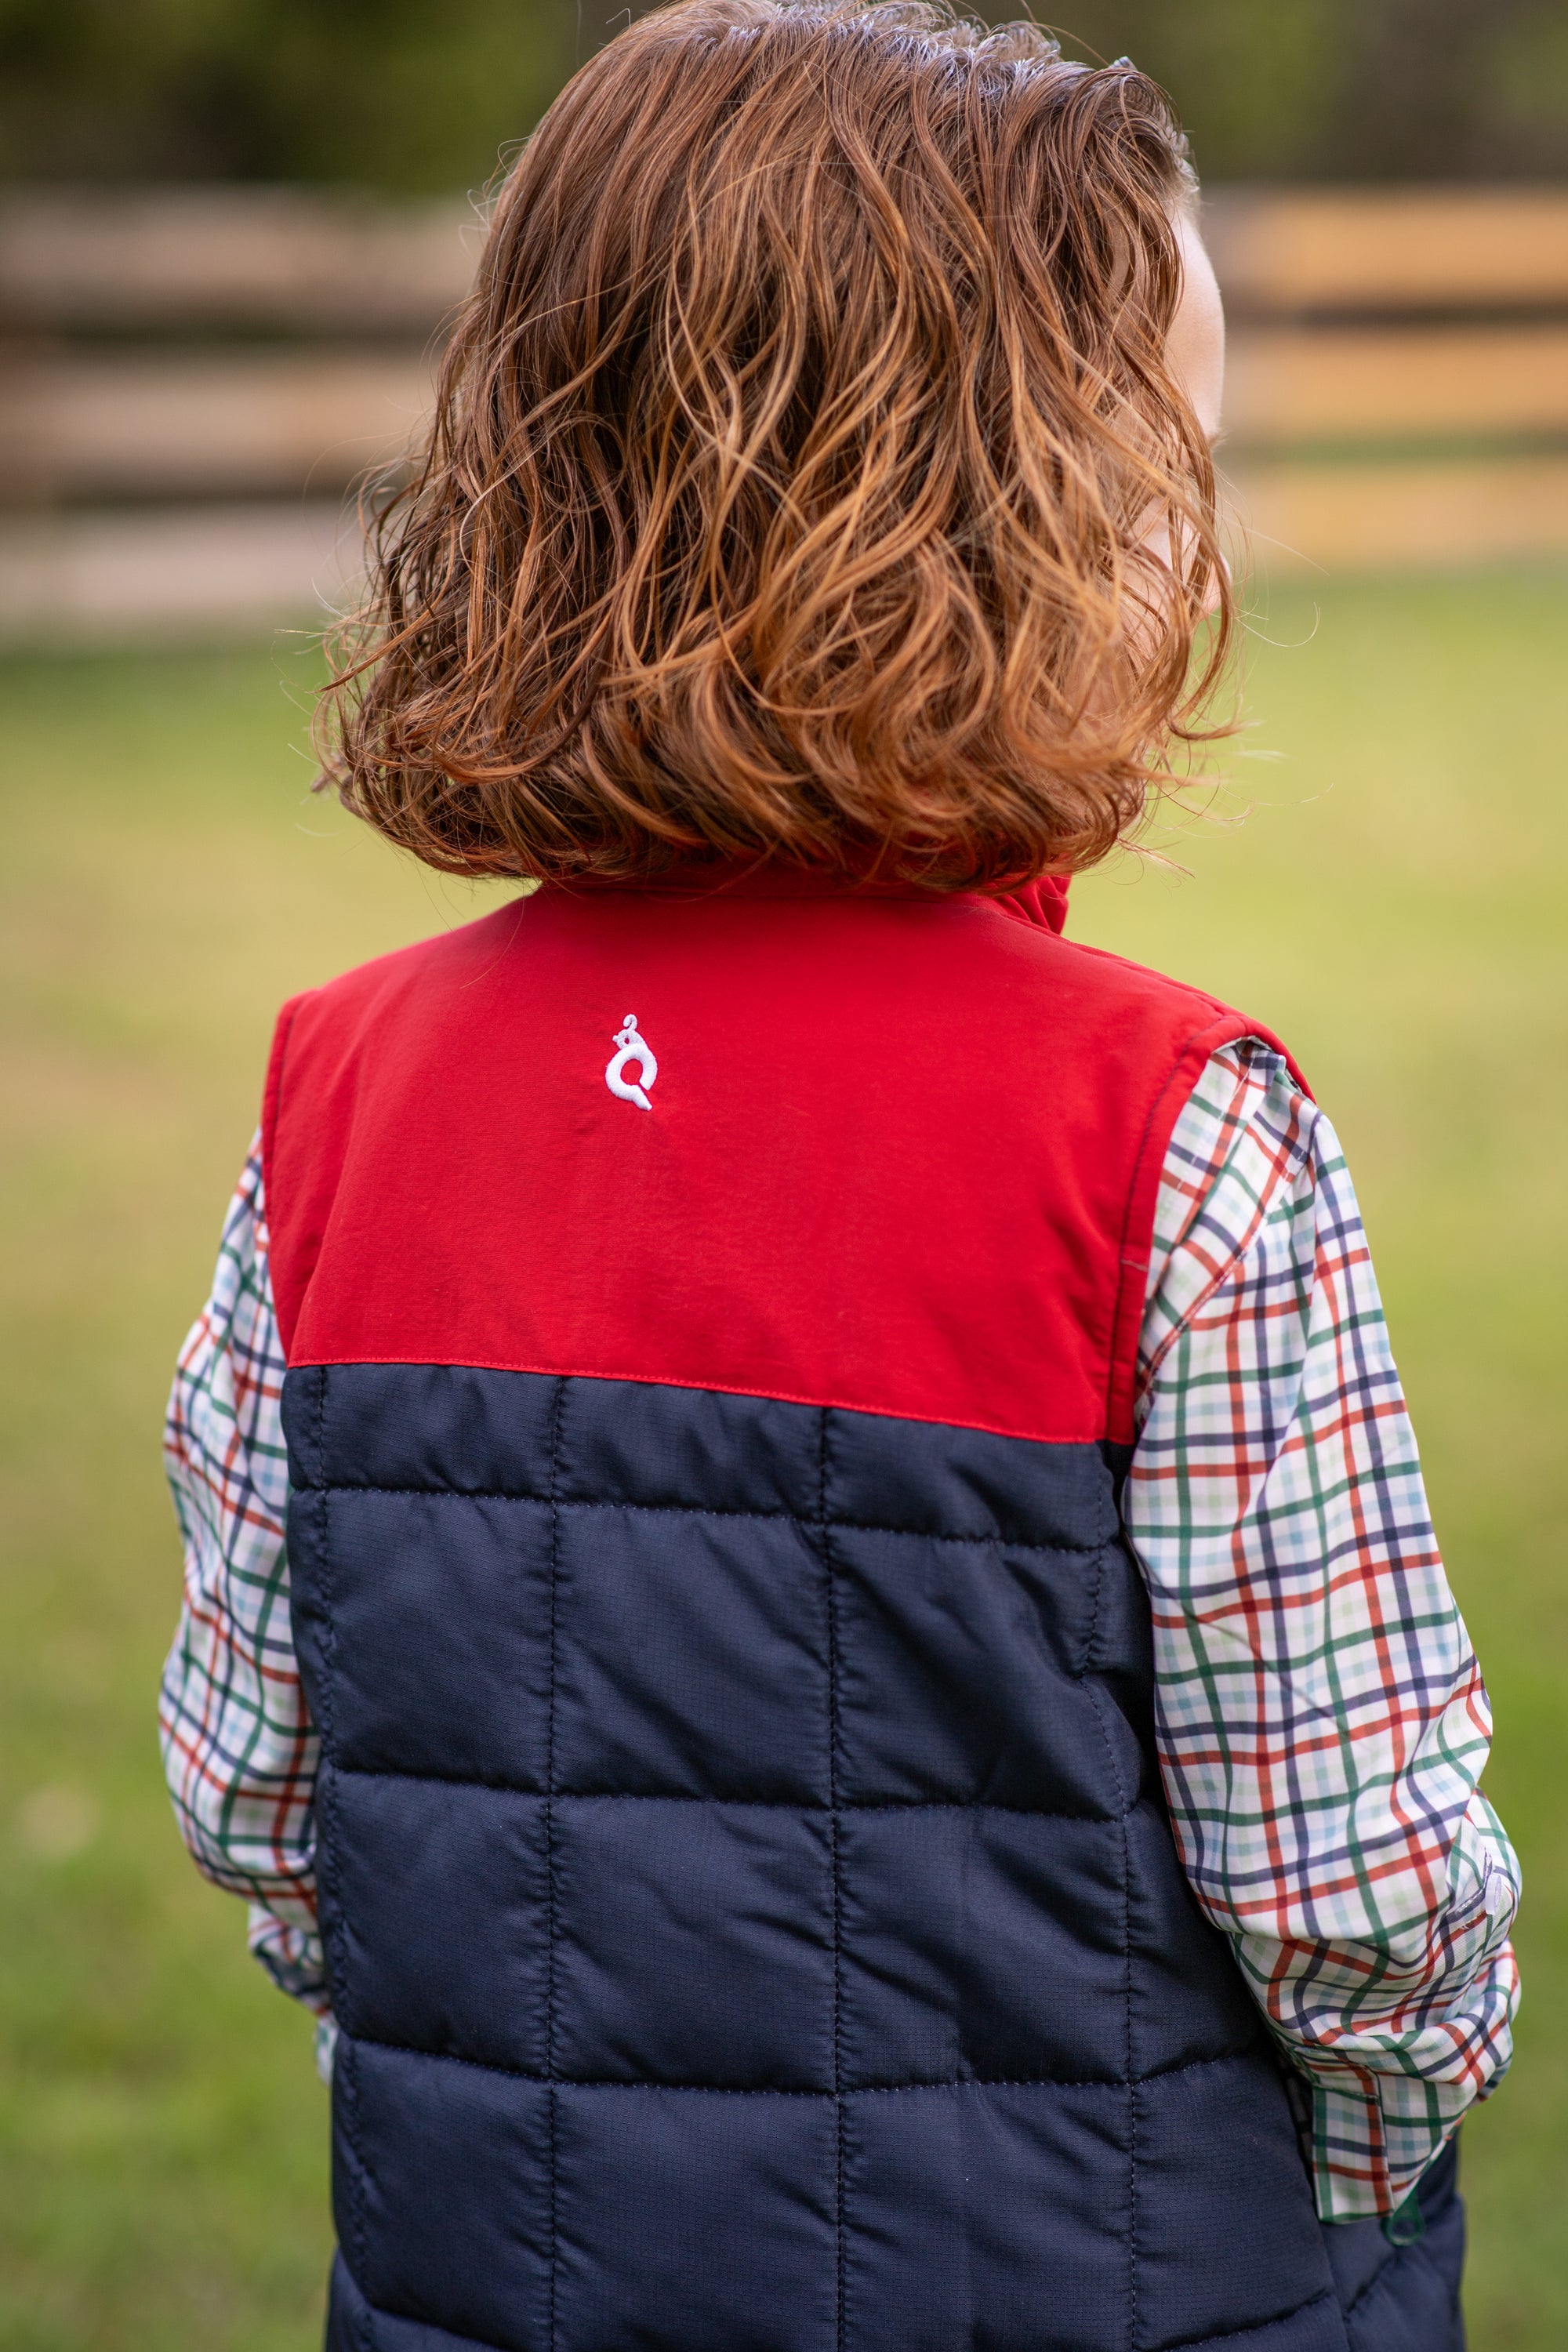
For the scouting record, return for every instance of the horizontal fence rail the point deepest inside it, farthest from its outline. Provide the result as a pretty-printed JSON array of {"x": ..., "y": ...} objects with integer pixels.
[
  {"x": 1288, "y": 385},
  {"x": 1389, "y": 249},
  {"x": 138, "y": 424},
  {"x": 203, "y": 372},
  {"x": 155, "y": 260}
]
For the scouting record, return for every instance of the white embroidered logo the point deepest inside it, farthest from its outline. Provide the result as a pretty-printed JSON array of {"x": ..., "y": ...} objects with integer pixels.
[{"x": 632, "y": 1048}]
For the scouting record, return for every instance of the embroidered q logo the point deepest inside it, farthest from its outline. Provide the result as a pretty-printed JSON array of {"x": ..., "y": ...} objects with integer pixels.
[{"x": 632, "y": 1048}]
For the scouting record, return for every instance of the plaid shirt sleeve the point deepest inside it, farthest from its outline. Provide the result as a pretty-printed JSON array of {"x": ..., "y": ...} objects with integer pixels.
[
  {"x": 240, "y": 1748},
  {"x": 1321, "y": 1721}
]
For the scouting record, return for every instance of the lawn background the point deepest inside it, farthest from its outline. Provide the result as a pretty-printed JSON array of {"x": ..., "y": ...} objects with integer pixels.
[{"x": 1394, "y": 902}]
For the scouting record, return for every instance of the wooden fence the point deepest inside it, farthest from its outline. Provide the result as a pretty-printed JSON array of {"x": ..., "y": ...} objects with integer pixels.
[
  {"x": 1397, "y": 388},
  {"x": 189, "y": 381}
]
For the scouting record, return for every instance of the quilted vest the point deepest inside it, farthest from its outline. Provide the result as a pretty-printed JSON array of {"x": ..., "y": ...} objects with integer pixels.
[{"x": 752, "y": 1916}]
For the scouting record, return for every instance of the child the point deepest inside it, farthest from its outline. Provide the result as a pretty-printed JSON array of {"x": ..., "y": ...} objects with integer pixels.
[{"x": 861, "y": 1741}]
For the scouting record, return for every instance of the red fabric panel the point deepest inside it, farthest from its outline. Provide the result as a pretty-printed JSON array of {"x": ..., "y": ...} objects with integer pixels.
[
  {"x": 900, "y": 1152},
  {"x": 1045, "y": 901}
]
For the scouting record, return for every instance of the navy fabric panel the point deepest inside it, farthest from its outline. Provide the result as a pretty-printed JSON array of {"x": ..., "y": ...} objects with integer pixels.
[
  {"x": 694, "y": 1945},
  {"x": 692, "y": 1656},
  {"x": 1317, "y": 2327},
  {"x": 428, "y": 1426},
  {"x": 1218, "y": 2166},
  {"x": 441, "y": 2192},
  {"x": 435, "y": 1914},
  {"x": 973, "y": 1946},
  {"x": 987, "y": 2216},
  {"x": 354, "y": 2326},
  {"x": 979, "y": 1944},
  {"x": 1412, "y": 2305},
  {"x": 695, "y": 2221},
  {"x": 964, "y": 1482},
  {"x": 1187, "y": 1997},
  {"x": 429, "y": 1596},
  {"x": 620, "y": 1442},
  {"x": 1405, "y": 2298},
  {"x": 436, "y": 1427},
  {"x": 939, "y": 1696},
  {"x": 748, "y": 1897}
]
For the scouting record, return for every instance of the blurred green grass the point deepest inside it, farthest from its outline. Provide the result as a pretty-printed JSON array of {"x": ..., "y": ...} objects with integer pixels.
[{"x": 1394, "y": 902}]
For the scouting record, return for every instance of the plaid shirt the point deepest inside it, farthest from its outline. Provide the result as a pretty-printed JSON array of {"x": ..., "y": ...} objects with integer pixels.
[{"x": 1320, "y": 1717}]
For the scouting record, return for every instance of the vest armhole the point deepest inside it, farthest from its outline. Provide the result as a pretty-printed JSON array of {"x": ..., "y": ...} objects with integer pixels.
[
  {"x": 1138, "y": 1229},
  {"x": 286, "y": 1290}
]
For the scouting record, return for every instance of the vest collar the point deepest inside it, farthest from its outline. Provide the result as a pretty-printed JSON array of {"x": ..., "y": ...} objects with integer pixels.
[{"x": 1043, "y": 901}]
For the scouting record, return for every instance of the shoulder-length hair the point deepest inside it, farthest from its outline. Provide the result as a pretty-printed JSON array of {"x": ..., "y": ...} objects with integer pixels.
[{"x": 793, "y": 471}]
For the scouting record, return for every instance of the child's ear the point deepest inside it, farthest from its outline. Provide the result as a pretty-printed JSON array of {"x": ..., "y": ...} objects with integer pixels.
[{"x": 1194, "y": 348}]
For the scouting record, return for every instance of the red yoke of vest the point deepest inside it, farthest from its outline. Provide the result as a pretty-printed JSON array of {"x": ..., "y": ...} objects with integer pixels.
[{"x": 901, "y": 1153}]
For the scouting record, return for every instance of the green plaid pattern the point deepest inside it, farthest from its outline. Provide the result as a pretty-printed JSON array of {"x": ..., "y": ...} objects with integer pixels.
[{"x": 1322, "y": 1720}]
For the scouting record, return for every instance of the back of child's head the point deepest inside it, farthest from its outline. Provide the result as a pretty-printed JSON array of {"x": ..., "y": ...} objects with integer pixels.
[{"x": 795, "y": 470}]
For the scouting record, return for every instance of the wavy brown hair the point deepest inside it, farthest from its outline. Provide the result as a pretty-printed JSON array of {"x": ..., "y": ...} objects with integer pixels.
[{"x": 792, "y": 471}]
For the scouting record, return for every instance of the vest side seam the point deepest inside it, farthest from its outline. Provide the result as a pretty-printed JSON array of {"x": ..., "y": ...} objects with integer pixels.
[
  {"x": 1131, "y": 2093},
  {"x": 285, "y": 1299},
  {"x": 340, "y": 1992},
  {"x": 1093, "y": 1634},
  {"x": 351, "y": 2133},
  {"x": 1138, "y": 1218},
  {"x": 1417, "y": 2249},
  {"x": 1253, "y": 2327},
  {"x": 551, "y": 1924},
  {"x": 1129, "y": 2077},
  {"x": 840, "y": 2256}
]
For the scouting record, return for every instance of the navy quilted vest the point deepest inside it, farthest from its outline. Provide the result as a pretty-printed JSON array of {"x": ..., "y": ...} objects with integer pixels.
[{"x": 752, "y": 1916}]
